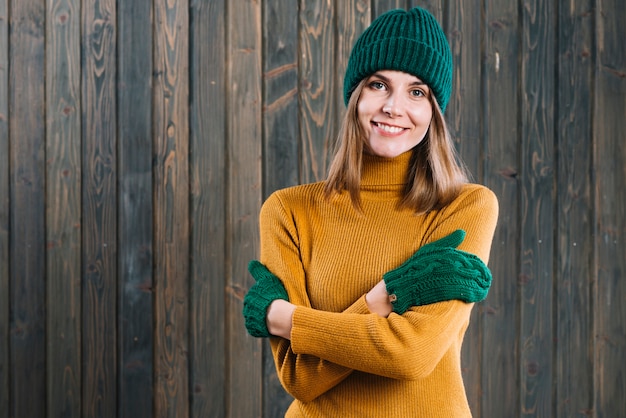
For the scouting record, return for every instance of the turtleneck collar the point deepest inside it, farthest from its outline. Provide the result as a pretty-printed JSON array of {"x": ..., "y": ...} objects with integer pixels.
[{"x": 379, "y": 171}]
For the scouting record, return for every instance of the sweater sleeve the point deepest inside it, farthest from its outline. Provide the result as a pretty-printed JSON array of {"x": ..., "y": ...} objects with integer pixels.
[{"x": 304, "y": 376}]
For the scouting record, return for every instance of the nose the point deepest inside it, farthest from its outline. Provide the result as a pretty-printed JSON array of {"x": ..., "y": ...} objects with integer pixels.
[{"x": 392, "y": 106}]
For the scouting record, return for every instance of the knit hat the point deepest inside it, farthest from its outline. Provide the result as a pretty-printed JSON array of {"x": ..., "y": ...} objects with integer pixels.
[{"x": 409, "y": 41}]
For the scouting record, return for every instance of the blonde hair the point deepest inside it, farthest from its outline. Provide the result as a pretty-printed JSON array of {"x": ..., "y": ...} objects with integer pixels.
[{"x": 435, "y": 175}]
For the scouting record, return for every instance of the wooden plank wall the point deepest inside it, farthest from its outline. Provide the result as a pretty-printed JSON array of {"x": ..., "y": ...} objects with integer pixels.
[{"x": 139, "y": 139}]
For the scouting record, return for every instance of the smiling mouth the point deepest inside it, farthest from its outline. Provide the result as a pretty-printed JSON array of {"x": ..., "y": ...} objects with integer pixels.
[{"x": 388, "y": 128}]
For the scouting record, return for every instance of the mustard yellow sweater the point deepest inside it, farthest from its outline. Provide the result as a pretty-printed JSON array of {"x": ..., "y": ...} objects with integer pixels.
[{"x": 343, "y": 361}]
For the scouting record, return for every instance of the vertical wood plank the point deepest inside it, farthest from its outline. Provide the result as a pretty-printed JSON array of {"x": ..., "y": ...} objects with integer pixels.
[
  {"x": 352, "y": 17},
  {"x": 63, "y": 216},
  {"x": 171, "y": 210},
  {"x": 537, "y": 240},
  {"x": 464, "y": 31},
  {"x": 381, "y": 6},
  {"x": 318, "y": 87},
  {"x": 574, "y": 254},
  {"x": 610, "y": 206},
  {"x": 27, "y": 206},
  {"x": 280, "y": 100},
  {"x": 280, "y": 142},
  {"x": 99, "y": 200},
  {"x": 208, "y": 208},
  {"x": 5, "y": 294},
  {"x": 465, "y": 35},
  {"x": 135, "y": 210},
  {"x": 499, "y": 116},
  {"x": 244, "y": 143}
]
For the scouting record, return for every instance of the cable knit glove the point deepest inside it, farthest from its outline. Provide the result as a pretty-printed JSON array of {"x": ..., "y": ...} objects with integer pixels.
[
  {"x": 267, "y": 289},
  {"x": 438, "y": 272}
]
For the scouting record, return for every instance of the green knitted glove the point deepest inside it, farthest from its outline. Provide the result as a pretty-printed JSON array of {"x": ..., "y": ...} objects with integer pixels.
[
  {"x": 267, "y": 289},
  {"x": 438, "y": 272}
]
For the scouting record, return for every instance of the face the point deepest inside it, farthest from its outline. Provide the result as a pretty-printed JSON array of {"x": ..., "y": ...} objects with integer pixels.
[{"x": 395, "y": 111}]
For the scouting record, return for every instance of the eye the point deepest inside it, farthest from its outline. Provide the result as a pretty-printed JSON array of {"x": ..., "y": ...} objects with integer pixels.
[
  {"x": 377, "y": 85},
  {"x": 418, "y": 93}
]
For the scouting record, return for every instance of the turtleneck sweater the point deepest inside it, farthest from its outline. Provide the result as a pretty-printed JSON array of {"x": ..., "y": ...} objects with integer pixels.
[{"x": 343, "y": 360}]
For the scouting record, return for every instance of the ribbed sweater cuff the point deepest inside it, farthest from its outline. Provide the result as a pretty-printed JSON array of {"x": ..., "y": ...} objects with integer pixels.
[
  {"x": 358, "y": 307},
  {"x": 315, "y": 332}
]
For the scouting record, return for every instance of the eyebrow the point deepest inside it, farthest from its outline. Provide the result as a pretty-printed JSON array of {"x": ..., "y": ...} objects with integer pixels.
[{"x": 386, "y": 79}]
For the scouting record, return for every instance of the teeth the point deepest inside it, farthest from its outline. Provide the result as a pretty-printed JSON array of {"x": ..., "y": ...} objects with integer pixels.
[{"x": 390, "y": 129}]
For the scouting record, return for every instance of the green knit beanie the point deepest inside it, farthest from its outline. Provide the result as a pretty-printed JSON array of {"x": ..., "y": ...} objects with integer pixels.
[{"x": 409, "y": 41}]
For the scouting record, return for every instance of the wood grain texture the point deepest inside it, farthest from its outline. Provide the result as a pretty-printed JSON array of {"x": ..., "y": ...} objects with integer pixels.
[
  {"x": 63, "y": 215},
  {"x": 135, "y": 328},
  {"x": 352, "y": 18},
  {"x": 5, "y": 295},
  {"x": 465, "y": 32},
  {"x": 574, "y": 254},
  {"x": 500, "y": 77},
  {"x": 171, "y": 207},
  {"x": 207, "y": 159},
  {"x": 27, "y": 206},
  {"x": 537, "y": 216},
  {"x": 244, "y": 174},
  {"x": 280, "y": 101},
  {"x": 99, "y": 210},
  {"x": 317, "y": 88},
  {"x": 381, "y": 6},
  {"x": 610, "y": 206},
  {"x": 281, "y": 127}
]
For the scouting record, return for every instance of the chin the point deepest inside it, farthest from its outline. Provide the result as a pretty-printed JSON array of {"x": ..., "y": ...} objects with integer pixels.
[{"x": 387, "y": 153}]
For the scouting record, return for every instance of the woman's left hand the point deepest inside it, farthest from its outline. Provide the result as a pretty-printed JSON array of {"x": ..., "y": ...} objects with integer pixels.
[{"x": 378, "y": 300}]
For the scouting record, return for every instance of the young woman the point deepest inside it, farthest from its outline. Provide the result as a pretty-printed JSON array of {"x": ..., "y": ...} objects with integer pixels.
[{"x": 366, "y": 281}]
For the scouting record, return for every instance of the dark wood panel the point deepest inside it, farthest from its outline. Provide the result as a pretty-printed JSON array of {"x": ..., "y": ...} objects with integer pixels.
[
  {"x": 27, "y": 206},
  {"x": 171, "y": 208},
  {"x": 244, "y": 173},
  {"x": 610, "y": 205},
  {"x": 63, "y": 215},
  {"x": 5, "y": 295},
  {"x": 381, "y": 6},
  {"x": 574, "y": 246},
  {"x": 352, "y": 17},
  {"x": 465, "y": 33},
  {"x": 537, "y": 216},
  {"x": 135, "y": 273},
  {"x": 317, "y": 88},
  {"x": 208, "y": 209},
  {"x": 500, "y": 77},
  {"x": 280, "y": 142},
  {"x": 99, "y": 209},
  {"x": 280, "y": 100}
]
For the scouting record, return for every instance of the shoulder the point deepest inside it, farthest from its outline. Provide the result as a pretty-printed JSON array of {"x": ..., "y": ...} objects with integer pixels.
[
  {"x": 292, "y": 199},
  {"x": 475, "y": 203},
  {"x": 476, "y": 195},
  {"x": 475, "y": 210}
]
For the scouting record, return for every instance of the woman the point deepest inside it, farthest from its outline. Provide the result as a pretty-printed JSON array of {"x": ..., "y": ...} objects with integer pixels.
[{"x": 368, "y": 279}]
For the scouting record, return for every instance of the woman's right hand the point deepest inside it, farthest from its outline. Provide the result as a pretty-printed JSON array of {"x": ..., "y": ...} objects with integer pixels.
[{"x": 279, "y": 318}]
